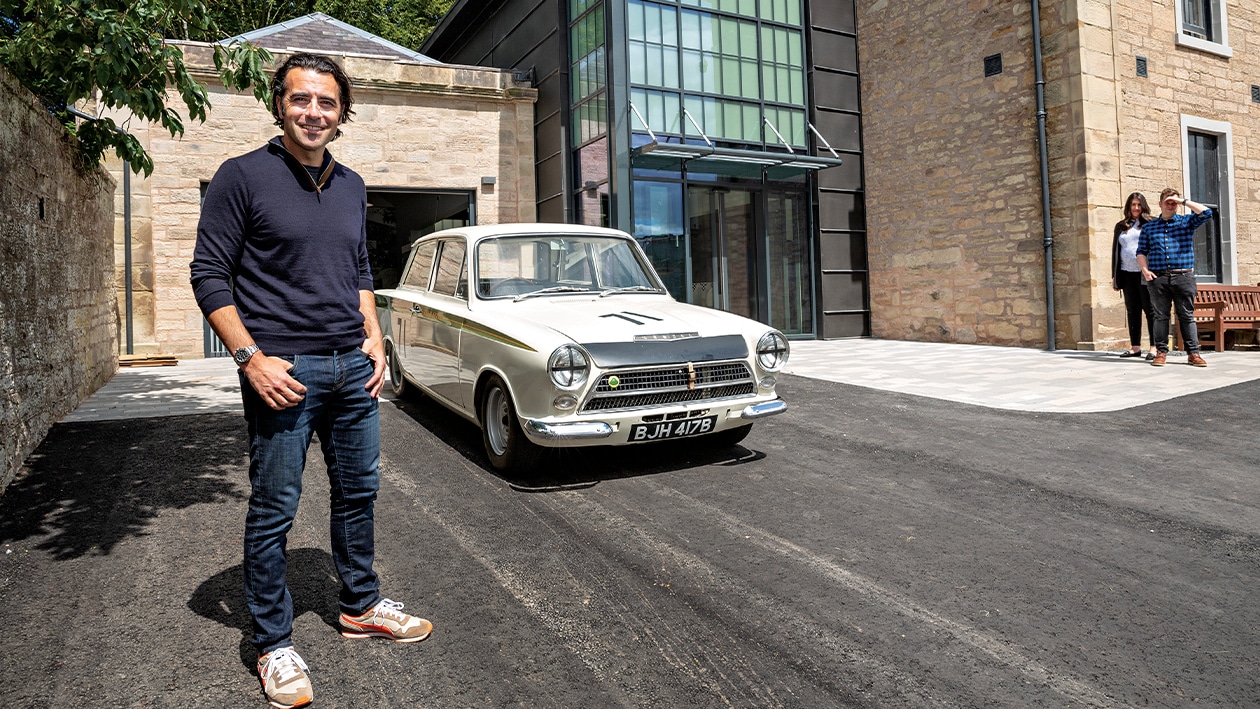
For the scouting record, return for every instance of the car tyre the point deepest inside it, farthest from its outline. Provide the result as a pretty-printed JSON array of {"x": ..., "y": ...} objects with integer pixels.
[
  {"x": 506, "y": 445},
  {"x": 397, "y": 382},
  {"x": 730, "y": 437}
]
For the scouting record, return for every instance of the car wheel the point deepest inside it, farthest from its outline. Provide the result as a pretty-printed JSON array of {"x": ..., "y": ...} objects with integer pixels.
[
  {"x": 730, "y": 437},
  {"x": 397, "y": 382},
  {"x": 506, "y": 445}
]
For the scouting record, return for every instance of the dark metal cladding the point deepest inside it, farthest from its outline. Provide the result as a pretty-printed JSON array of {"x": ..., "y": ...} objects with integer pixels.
[{"x": 638, "y": 354}]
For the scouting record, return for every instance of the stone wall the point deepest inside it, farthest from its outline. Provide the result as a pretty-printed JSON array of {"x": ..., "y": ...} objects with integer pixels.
[
  {"x": 58, "y": 321},
  {"x": 418, "y": 126},
  {"x": 954, "y": 216},
  {"x": 953, "y": 202}
]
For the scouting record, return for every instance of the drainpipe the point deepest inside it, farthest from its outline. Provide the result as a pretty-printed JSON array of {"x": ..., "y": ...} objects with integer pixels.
[
  {"x": 131, "y": 349},
  {"x": 1047, "y": 236}
]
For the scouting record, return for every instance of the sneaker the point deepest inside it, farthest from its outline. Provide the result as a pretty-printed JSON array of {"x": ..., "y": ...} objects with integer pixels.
[
  {"x": 1196, "y": 360},
  {"x": 386, "y": 620},
  {"x": 284, "y": 678},
  {"x": 1159, "y": 359}
]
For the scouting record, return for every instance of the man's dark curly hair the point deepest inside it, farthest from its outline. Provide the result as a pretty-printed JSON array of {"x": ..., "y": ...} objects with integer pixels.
[{"x": 314, "y": 62}]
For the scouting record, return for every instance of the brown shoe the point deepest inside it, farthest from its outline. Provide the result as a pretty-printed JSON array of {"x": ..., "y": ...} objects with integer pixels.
[
  {"x": 1196, "y": 360},
  {"x": 1160, "y": 359}
]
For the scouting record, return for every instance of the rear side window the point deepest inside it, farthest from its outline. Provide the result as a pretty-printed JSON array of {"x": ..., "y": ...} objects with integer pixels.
[
  {"x": 450, "y": 270},
  {"x": 421, "y": 267}
]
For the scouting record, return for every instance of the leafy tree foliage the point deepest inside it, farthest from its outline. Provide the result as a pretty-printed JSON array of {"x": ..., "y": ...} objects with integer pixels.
[
  {"x": 405, "y": 22},
  {"x": 67, "y": 51}
]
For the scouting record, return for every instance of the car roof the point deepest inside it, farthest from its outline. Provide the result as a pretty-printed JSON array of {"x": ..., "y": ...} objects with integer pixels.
[{"x": 484, "y": 231}]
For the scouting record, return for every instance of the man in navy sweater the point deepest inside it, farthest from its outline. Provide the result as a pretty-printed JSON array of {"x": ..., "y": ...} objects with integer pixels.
[{"x": 281, "y": 273}]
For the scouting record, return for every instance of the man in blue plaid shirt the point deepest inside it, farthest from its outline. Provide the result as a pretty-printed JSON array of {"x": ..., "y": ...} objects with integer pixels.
[{"x": 1165, "y": 254}]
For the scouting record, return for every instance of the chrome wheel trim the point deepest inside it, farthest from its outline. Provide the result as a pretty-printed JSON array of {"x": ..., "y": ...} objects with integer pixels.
[
  {"x": 395, "y": 371},
  {"x": 496, "y": 420}
]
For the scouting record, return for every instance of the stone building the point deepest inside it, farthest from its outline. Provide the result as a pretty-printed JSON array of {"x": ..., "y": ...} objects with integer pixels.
[
  {"x": 1140, "y": 95},
  {"x": 439, "y": 145}
]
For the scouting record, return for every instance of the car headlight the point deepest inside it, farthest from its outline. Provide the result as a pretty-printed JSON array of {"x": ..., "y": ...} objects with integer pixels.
[
  {"x": 568, "y": 366},
  {"x": 772, "y": 351}
]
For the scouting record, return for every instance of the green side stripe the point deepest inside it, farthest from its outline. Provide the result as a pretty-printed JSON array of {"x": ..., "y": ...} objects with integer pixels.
[{"x": 470, "y": 326}]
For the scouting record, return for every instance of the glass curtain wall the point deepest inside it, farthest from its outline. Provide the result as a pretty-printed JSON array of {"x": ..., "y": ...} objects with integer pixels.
[
  {"x": 729, "y": 63},
  {"x": 588, "y": 93},
  {"x": 722, "y": 233}
]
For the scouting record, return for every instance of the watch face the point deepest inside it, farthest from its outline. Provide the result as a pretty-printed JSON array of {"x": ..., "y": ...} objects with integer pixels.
[{"x": 243, "y": 354}]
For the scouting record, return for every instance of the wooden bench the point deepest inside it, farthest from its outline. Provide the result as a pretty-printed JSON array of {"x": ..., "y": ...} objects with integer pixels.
[{"x": 1218, "y": 309}]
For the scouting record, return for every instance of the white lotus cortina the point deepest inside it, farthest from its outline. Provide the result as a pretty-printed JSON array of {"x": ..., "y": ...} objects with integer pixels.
[{"x": 549, "y": 335}]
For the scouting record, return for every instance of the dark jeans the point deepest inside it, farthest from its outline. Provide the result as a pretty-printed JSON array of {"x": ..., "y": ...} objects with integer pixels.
[
  {"x": 1178, "y": 289},
  {"x": 1137, "y": 301},
  {"x": 345, "y": 416}
]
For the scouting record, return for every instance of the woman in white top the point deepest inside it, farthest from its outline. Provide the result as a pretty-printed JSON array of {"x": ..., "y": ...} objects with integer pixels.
[{"x": 1126, "y": 275}]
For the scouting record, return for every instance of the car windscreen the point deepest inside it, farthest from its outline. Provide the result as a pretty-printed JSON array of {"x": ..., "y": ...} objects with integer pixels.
[{"x": 520, "y": 265}]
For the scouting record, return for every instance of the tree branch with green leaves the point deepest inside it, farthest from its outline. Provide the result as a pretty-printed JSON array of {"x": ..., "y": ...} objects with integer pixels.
[{"x": 116, "y": 53}]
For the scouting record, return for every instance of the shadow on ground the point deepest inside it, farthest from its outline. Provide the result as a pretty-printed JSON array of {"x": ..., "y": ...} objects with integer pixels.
[
  {"x": 90, "y": 486},
  {"x": 313, "y": 583},
  {"x": 570, "y": 468}
]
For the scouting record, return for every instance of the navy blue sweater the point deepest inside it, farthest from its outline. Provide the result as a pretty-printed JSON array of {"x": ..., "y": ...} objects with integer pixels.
[{"x": 295, "y": 251}]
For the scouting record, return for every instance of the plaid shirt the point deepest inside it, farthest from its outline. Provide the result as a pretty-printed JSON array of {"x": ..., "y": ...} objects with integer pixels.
[{"x": 1169, "y": 244}]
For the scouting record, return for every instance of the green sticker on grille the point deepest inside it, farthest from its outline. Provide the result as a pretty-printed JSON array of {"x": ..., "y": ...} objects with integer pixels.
[{"x": 614, "y": 382}]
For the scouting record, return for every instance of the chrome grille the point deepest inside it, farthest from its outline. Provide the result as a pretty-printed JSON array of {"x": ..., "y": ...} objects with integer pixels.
[{"x": 671, "y": 385}]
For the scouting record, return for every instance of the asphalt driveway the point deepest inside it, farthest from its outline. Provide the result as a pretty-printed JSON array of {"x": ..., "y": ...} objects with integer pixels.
[{"x": 868, "y": 548}]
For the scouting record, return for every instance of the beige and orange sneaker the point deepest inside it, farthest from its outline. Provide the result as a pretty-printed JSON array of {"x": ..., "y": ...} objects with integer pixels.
[
  {"x": 285, "y": 679},
  {"x": 386, "y": 620}
]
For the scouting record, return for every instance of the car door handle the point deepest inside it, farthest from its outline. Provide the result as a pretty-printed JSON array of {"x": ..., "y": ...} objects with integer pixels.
[{"x": 415, "y": 309}]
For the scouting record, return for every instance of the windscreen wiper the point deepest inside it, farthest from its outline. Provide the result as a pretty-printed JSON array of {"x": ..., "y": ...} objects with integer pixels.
[
  {"x": 629, "y": 289},
  {"x": 552, "y": 289}
]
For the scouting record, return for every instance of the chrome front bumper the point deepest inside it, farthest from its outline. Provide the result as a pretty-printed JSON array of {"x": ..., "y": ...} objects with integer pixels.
[
  {"x": 764, "y": 409},
  {"x": 543, "y": 431}
]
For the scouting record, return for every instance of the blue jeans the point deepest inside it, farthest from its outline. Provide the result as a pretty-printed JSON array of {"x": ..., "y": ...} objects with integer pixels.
[
  {"x": 345, "y": 416},
  {"x": 1178, "y": 289}
]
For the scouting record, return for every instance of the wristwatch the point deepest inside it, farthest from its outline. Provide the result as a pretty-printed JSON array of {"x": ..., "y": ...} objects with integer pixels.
[{"x": 243, "y": 354}]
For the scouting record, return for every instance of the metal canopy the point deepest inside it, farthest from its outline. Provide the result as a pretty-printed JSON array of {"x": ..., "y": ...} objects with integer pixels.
[
  {"x": 711, "y": 158},
  {"x": 686, "y": 153}
]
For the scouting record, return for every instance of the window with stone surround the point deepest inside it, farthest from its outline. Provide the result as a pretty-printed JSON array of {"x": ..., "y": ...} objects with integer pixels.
[
  {"x": 1208, "y": 168},
  {"x": 1201, "y": 25}
]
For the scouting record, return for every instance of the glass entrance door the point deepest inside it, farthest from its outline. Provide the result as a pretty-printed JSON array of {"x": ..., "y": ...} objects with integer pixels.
[
  {"x": 723, "y": 237},
  {"x": 750, "y": 254},
  {"x": 789, "y": 262}
]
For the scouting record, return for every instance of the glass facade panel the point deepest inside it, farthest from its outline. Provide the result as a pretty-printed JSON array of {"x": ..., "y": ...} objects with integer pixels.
[
  {"x": 658, "y": 225},
  {"x": 638, "y": 62},
  {"x": 661, "y": 110},
  {"x": 786, "y": 11},
  {"x": 653, "y": 44},
  {"x": 588, "y": 72},
  {"x": 590, "y": 119},
  {"x": 789, "y": 122}
]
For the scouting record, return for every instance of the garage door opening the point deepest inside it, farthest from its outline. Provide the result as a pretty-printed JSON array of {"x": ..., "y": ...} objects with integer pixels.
[{"x": 395, "y": 219}]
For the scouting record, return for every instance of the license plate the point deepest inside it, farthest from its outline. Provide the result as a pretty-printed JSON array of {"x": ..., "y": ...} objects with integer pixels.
[{"x": 681, "y": 428}]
